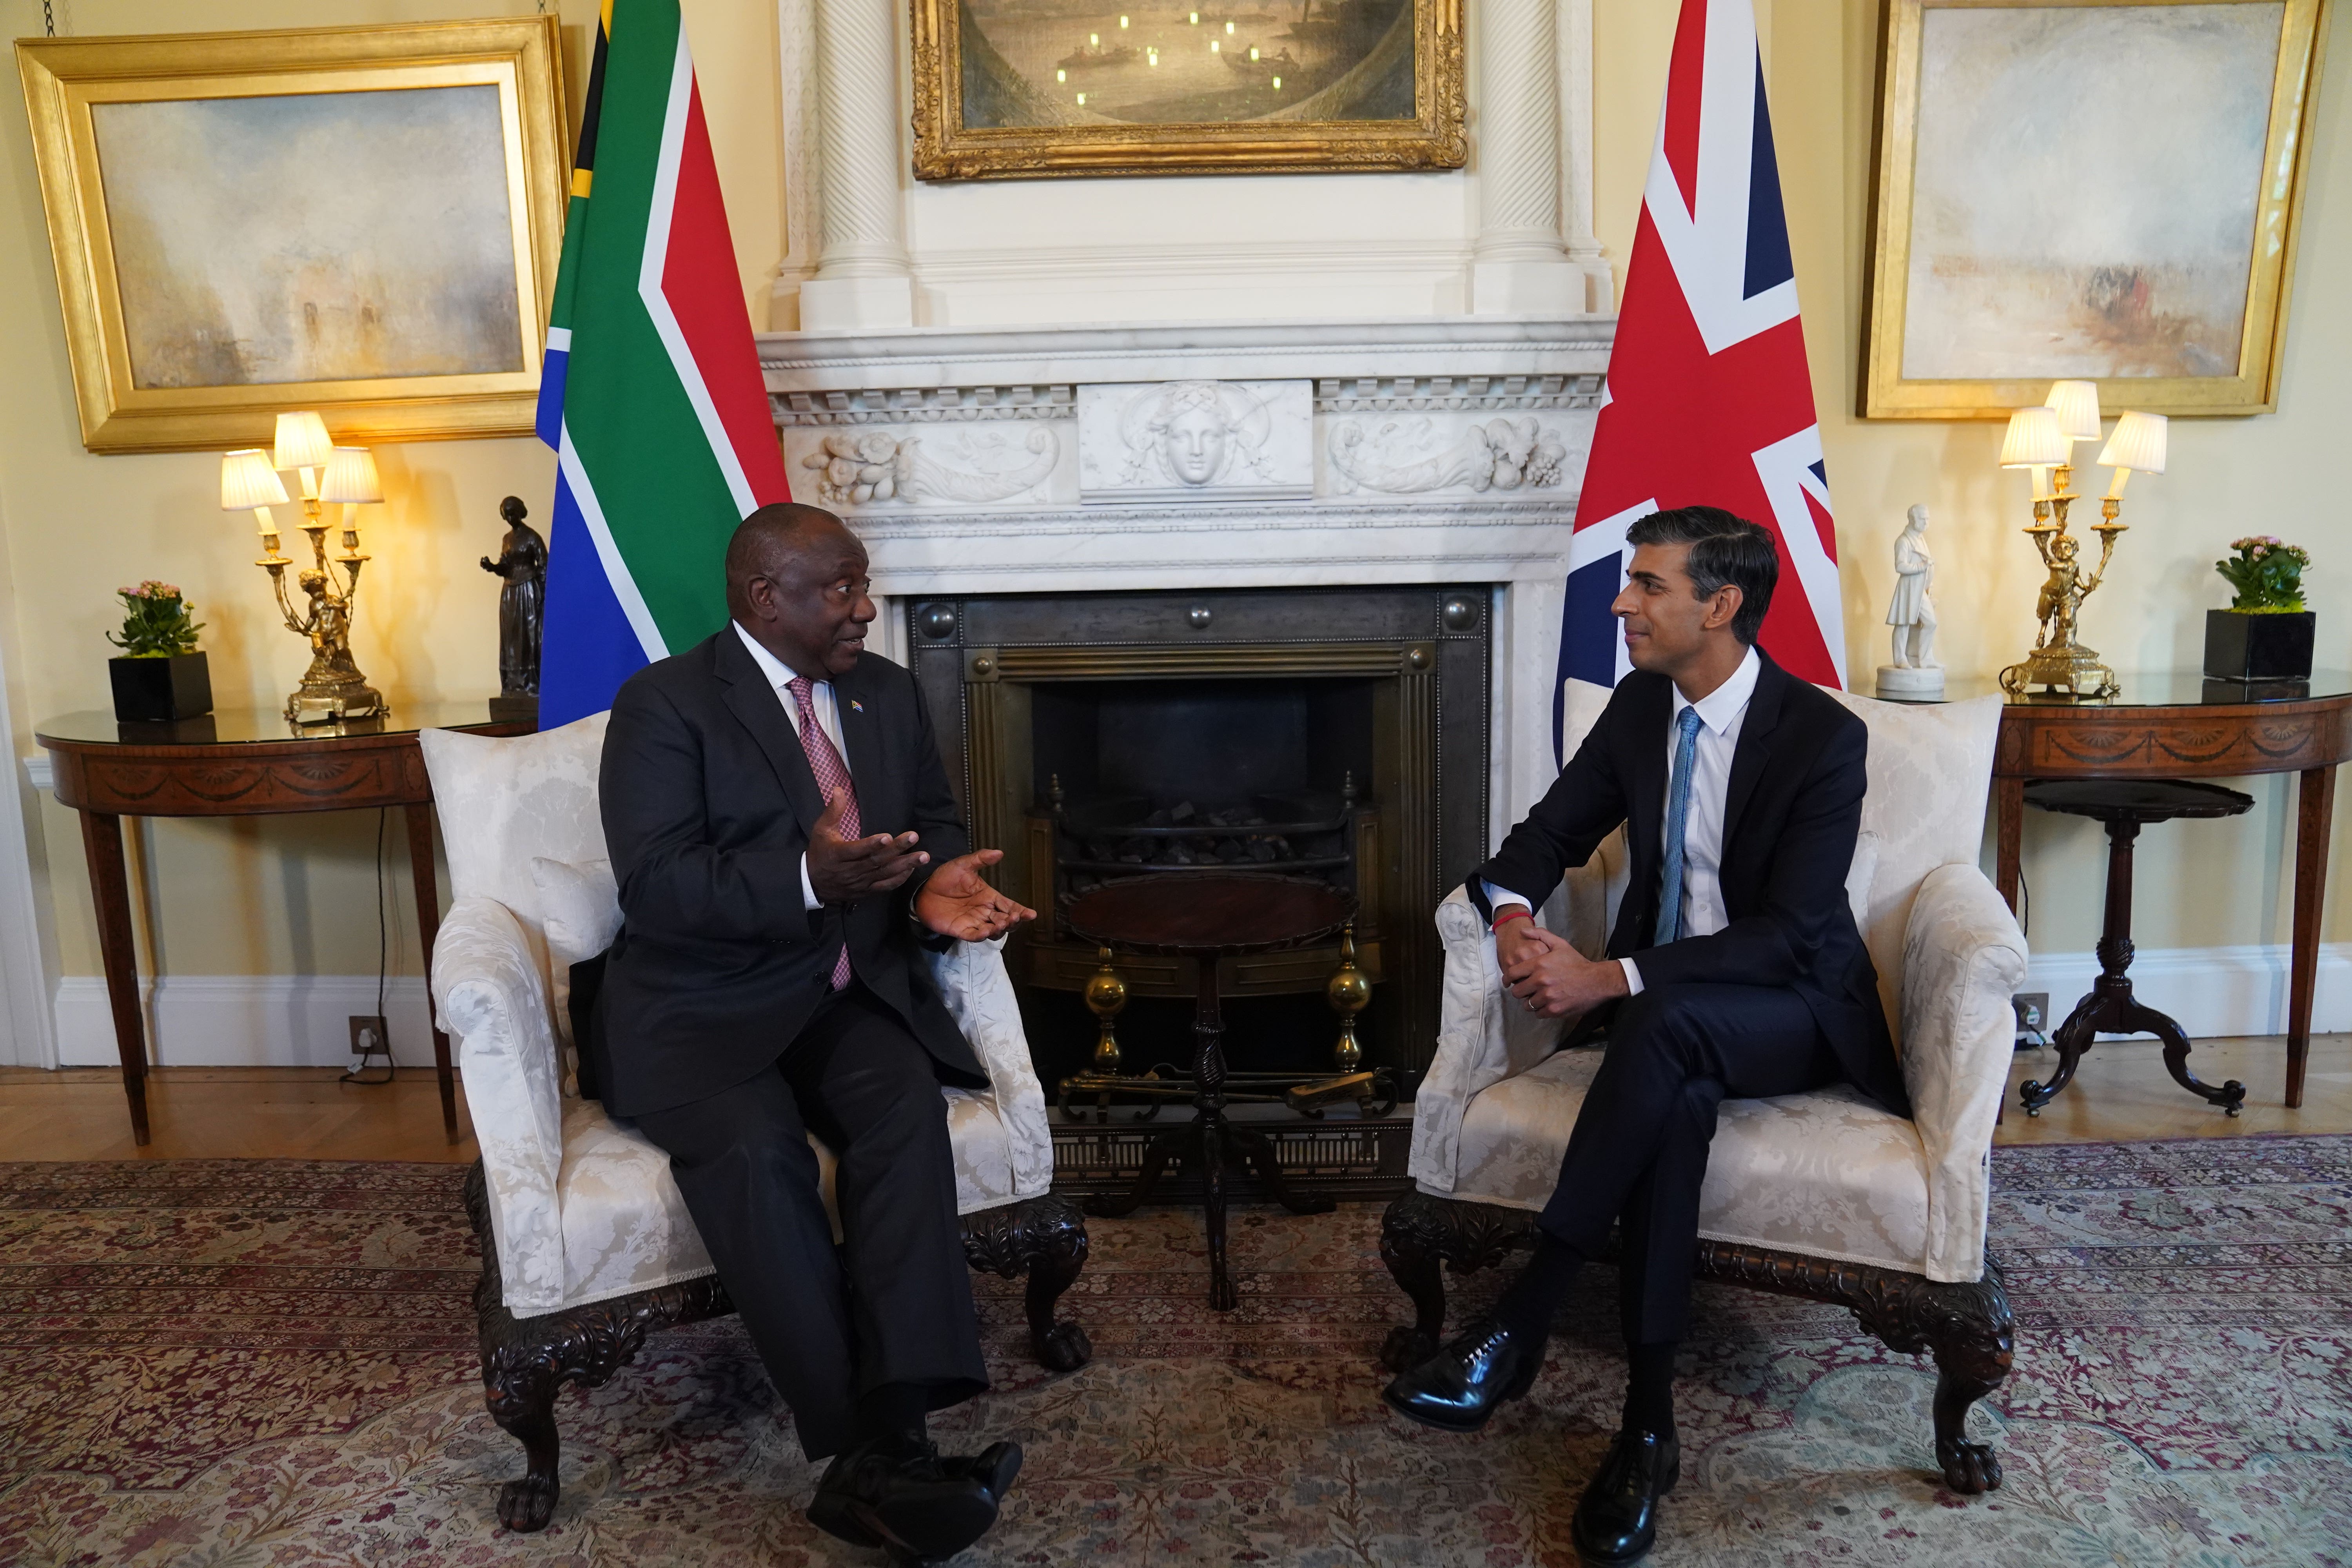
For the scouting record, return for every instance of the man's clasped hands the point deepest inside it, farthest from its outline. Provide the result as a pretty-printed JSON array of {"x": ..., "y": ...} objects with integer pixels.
[
  {"x": 956, "y": 901},
  {"x": 1548, "y": 976}
]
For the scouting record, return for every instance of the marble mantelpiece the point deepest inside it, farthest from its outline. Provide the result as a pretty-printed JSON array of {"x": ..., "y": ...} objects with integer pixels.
[{"x": 1419, "y": 450}]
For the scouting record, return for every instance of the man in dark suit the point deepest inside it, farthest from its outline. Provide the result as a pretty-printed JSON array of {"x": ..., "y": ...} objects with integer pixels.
[
  {"x": 1735, "y": 970},
  {"x": 785, "y": 839}
]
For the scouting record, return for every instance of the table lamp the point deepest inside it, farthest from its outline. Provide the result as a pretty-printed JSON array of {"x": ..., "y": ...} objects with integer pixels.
[
  {"x": 2042, "y": 441},
  {"x": 332, "y": 689}
]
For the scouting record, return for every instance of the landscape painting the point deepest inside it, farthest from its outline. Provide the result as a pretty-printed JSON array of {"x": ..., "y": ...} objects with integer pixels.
[
  {"x": 363, "y": 221},
  {"x": 2082, "y": 191},
  {"x": 313, "y": 236},
  {"x": 1031, "y": 88},
  {"x": 1080, "y": 62}
]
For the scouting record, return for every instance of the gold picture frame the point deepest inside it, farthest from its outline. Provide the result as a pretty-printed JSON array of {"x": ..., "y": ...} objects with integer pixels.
[
  {"x": 1026, "y": 133},
  {"x": 2189, "y": 114},
  {"x": 234, "y": 218}
]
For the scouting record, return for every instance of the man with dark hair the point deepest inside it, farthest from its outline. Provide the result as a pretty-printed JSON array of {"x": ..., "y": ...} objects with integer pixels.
[
  {"x": 783, "y": 836},
  {"x": 1735, "y": 971}
]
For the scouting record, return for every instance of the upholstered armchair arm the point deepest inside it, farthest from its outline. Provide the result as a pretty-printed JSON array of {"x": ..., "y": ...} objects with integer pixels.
[
  {"x": 492, "y": 995},
  {"x": 979, "y": 994},
  {"x": 1480, "y": 1042},
  {"x": 1962, "y": 959}
]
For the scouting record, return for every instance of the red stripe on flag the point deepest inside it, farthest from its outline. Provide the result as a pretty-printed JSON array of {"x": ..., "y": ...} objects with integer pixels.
[
  {"x": 1685, "y": 95},
  {"x": 705, "y": 294},
  {"x": 1684, "y": 426}
]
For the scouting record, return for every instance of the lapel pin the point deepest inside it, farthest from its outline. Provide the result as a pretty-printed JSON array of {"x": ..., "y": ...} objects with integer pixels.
[{"x": 855, "y": 706}]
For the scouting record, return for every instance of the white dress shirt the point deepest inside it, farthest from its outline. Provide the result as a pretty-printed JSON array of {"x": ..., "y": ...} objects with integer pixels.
[
  {"x": 828, "y": 719},
  {"x": 1721, "y": 713}
]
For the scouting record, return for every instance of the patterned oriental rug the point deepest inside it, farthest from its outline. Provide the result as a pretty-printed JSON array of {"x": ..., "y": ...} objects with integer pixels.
[{"x": 218, "y": 1362}]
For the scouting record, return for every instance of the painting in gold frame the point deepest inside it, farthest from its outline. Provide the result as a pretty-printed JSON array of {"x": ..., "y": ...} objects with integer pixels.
[
  {"x": 365, "y": 221},
  {"x": 2087, "y": 189},
  {"x": 1028, "y": 88}
]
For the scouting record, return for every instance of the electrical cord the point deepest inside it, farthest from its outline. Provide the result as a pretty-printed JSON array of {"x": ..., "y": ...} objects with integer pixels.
[{"x": 382, "y": 952}]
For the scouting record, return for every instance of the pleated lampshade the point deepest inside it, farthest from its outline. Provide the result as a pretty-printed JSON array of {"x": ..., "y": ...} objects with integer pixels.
[
  {"x": 2139, "y": 442},
  {"x": 351, "y": 476},
  {"x": 2035, "y": 440},
  {"x": 2077, "y": 403},
  {"x": 247, "y": 481},
  {"x": 303, "y": 442}
]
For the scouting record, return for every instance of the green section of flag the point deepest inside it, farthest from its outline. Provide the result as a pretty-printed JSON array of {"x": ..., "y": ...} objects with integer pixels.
[{"x": 645, "y": 453}]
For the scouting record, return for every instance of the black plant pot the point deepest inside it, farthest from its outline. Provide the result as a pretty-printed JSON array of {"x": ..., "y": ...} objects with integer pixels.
[
  {"x": 2243, "y": 647},
  {"x": 152, "y": 691}
]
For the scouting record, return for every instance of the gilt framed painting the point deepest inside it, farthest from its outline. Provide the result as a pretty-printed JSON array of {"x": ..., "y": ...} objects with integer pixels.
[
  {"x": 2084, "y": 190},
  {"x": 1031, "y": 88},
  {"x": 365, "y": 221}
]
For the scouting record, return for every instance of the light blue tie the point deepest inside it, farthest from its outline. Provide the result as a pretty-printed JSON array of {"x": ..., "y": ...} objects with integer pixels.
[{"x": 1670, "y": 900}]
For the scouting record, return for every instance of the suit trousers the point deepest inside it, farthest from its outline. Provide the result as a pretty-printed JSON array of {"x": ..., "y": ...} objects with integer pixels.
[
  {"x": 1638, "y": 1154},
  {"x": 893, "y": 1303}
]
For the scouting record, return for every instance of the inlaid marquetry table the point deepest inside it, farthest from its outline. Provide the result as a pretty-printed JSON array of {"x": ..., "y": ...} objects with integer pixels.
[
  {"x": 243, "y": 763},
  {"x": 2179, "y": 725}
]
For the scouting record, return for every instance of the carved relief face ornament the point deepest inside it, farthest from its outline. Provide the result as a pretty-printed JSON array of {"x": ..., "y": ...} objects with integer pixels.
[{"x": 1195, "y": 431}]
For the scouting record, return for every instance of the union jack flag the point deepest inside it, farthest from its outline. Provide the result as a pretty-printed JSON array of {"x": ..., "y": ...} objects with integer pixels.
[{"x": 1709, "y": 399}]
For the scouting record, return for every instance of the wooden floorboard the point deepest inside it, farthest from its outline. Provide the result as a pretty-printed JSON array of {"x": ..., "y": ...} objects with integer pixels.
[{"x": 2122, "y": 1091}]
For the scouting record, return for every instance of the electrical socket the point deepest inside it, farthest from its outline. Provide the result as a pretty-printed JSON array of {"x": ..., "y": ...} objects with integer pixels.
[
  {"x": 2032, "y": 1010},
  {"x": 369, "y": 1034}
]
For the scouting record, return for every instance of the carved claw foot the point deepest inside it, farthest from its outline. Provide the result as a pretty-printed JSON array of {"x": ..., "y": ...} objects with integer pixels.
[
  {"x": 1044, "y": 1238},
  {"x": 1405, "y": 1349},
  {"x": 1063, "y": 1348},
  {"x": 1420, "y": 1234},
  {"x": 1969, "y": 1468},
  {"x": 526, "y": 1505}
]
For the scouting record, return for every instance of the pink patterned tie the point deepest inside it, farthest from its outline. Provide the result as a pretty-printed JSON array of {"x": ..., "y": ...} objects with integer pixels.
[{"x": 832, "y": 779}]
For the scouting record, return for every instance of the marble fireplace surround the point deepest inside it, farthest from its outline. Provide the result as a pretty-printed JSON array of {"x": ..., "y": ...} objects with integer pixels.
[{"x": 1215, "y": 455}]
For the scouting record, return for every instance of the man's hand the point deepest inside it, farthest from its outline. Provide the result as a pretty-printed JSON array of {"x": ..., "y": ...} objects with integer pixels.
[
  {"x": 1548, "y": 976},
  {"x": 956, "y": 902},
  {"x": 841, "y": 869}
]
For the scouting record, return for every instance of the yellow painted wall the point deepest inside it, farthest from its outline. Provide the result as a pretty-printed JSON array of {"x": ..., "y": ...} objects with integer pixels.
[
  {"x": 284, "y": 895},
  {"x": 294, "y": 895},
  {"x": 2199, "y": 884}
]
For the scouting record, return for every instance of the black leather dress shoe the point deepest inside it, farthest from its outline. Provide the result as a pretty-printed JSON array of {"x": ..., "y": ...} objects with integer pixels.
[
  {"x": 1618, "y": 1518},
  {"x": 1458, "y": 1389},
  {"x": 900, "y": 1495}
]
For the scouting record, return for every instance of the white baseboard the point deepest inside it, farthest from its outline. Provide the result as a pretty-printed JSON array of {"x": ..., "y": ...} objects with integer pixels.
[
  {"x": 300, "y": 1020},
  {"x": 2209, "y": 991},
  {"x": 245, "y": 1020}
]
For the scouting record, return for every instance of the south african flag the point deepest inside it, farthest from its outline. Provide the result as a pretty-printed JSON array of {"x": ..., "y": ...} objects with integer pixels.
[{"x": 651, "y": 396}]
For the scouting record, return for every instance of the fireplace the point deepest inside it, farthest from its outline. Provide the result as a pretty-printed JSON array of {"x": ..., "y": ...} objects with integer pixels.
[{"x": 1339, "y": 734}]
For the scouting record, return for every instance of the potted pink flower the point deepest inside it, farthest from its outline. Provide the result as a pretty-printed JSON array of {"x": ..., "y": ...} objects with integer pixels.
[
  {"x": 159, "y": 675},
  {"x": 2266, "y": 633}
]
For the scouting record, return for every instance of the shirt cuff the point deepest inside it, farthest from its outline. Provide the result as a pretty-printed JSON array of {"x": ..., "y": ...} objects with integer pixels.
[
  {"x": 1501, "y": 898},
  {"x": 1632, "y": 977},
  {"x": 808, "y": 889}
]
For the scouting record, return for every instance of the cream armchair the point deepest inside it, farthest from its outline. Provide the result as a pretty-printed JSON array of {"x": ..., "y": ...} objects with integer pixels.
[
  {"x": 1823, "y": 1195},
  {"x": 586, "y": 1244}
]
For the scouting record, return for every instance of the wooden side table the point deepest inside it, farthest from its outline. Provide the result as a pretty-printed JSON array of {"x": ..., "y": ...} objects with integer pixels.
[
  {"x": 242, "y": 762},
  {"x": 2179, "y": 725}
]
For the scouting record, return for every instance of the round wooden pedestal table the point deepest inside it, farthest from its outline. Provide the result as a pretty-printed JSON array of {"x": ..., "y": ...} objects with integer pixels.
[{"x": 1206, "y": 918}]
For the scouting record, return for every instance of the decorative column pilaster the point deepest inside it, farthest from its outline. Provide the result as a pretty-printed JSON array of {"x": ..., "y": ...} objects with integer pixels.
[
  {"x": 863, "y": 279},
  {"x": 1518, "y": 266}
]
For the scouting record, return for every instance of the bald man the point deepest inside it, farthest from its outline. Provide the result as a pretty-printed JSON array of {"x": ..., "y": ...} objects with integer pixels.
[{"x": 785, "y": 839}]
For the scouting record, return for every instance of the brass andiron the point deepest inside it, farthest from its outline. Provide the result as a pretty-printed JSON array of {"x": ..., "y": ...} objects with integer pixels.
[
  {"x": 332, "y": 689},
  {"x": 2041, "y": 439},
  {"x": 1106, "y": 995},
  {"x": 1347, "y": 991}
]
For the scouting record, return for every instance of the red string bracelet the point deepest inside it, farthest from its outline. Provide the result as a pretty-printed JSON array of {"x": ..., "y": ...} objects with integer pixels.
[{"x": 1516, "y": 912}]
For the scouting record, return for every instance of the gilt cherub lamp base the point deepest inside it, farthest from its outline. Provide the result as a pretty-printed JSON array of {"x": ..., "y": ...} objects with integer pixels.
[
  {"x": 2070, "y": 671},
  {"x": 332, "y": 691}
]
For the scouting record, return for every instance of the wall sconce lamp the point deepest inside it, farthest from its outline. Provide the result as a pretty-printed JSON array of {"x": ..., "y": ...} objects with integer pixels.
[
  {"x": 332, "y": 689},
  {"x": 2042, "y": 440}
]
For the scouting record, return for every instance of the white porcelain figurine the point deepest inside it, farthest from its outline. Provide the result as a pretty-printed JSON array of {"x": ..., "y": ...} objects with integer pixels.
[{"x": 1915, "y": 674}]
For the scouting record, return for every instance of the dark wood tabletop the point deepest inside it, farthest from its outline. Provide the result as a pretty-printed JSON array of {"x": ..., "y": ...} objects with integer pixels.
[{"x": 1204, "y": 916}]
